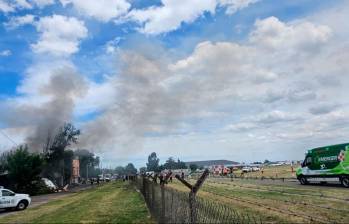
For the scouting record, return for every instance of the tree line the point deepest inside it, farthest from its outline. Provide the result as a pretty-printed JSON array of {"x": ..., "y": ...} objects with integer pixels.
[
  {"x": 154, "y": 165},
  {"x": 21, "y": 169}
]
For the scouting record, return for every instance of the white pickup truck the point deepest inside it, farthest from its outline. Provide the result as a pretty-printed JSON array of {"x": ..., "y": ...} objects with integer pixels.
[{"x": 9, "y": 199}]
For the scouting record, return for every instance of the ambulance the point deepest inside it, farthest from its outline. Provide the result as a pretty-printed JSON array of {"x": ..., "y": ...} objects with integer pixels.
[
  {"x": 325, "y": 164},
  {"x": 9, "y": 200}
]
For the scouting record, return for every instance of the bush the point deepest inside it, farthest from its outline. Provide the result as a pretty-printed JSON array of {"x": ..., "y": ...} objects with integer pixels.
[{"x": 24, "y": 170}]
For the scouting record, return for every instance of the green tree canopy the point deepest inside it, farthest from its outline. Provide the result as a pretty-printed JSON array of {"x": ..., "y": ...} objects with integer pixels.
[
  {"x": 119, "y": 170},
  {"x": 130, "y": 169},
  {"x": 153, "y": 162},
  {"x": 193, "y": 167},
  {"x": 143, "y": 169},
  {"x": 24, "y": 168}
]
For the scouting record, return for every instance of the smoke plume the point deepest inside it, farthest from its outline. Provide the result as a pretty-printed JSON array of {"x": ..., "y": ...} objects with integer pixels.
[{"x": 45, "y": 119}]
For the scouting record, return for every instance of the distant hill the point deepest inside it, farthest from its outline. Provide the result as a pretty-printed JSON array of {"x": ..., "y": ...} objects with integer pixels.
[{"x": 212, "y": 162}]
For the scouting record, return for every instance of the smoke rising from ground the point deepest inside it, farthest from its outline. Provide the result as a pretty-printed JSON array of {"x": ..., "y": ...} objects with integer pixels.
[
  {"x": 143, "y": 105},
  {"x": 63, "y": 87},
  {"x": 156, "y": 97}
]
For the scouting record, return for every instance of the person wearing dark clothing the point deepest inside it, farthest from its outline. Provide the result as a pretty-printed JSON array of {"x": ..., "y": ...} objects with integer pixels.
[
  {"x": 182, "y": 175},
  {"x": 161, "y": 177}
]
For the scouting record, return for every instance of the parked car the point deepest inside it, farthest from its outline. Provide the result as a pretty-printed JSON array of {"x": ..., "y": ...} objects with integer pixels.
[
  {"x": 9, "y": 200},
  {"x": 256, "y": 168},
  {"x": 246, "y": 169}
]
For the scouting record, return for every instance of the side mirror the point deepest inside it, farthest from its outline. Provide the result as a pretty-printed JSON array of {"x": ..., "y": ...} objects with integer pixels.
[{"x": 12, "y": 194}]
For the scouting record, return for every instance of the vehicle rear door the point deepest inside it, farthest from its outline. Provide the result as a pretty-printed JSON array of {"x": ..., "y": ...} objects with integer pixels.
[{"x": 7, "y": 198}]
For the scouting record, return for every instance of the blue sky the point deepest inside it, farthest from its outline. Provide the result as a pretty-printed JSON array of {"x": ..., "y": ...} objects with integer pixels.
[{"x": 189, "y": 79}]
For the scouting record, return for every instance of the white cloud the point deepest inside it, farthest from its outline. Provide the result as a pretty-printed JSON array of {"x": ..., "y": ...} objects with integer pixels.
[
  {"x": 59, "y": 35},
  {"x": 276, "y": 116},
  {"x": 20, "y": 21},
  {"x": 112, "y": 45},
  {"x": 6, "y": 7},
  {"x": 235, "y": 5},
  {"x": 324, "y": 108},
  {"x": 11, "y": 137},
  {"x": 43, "y": 3},
  {"x": 23, "y": 4},
  {"x": 98, "y": 98},
  {"x": 5, "y": 53},
  {"x": 172, "y": 13},
  {"x": 103, "y": 10},
  {"x": 272, "y": 33},
  {"x": 15, "y": 5}
]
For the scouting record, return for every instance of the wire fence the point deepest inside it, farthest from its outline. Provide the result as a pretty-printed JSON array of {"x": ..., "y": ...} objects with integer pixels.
[{"x": 168, "y": 205}]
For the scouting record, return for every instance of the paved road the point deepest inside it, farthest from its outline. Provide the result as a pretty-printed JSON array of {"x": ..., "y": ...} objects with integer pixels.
[{"x": 42, "y": 199}]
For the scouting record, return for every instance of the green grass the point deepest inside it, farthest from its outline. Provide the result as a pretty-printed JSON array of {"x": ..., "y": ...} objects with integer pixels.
[
  {"x": 111, "y": 203},
  {"x": 275, "y": 203}
]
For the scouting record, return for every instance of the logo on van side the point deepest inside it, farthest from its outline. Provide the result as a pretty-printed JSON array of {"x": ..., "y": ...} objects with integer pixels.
[{"x": 327, "y": 159}]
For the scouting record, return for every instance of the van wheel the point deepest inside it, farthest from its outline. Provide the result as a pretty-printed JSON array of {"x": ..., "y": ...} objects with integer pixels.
[
  {"x": 303, "y": 180},
  {"x": 22, "y": 205},
  {"x": 345, "y": 181}
]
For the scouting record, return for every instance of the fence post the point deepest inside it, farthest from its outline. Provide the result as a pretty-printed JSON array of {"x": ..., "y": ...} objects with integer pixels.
[
  {"x": 192, "y": 207},
  {"x": 152, "y": 197},
  {"x": 192, "y": 194},
  {"x": 143, "y": 185},
  {"x": 163, "y": 209},
  {"x": 163, "y": 201}
]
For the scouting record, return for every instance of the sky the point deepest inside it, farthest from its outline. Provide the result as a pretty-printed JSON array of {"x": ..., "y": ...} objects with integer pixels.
[{"x": 243, "y": 80}]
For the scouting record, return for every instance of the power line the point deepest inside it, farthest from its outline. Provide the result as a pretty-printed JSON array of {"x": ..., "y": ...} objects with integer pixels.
[{"x": 8, "y": 137}]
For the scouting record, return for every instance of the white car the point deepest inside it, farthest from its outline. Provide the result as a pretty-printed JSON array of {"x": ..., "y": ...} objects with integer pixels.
[
  {"x": 9, "y": 199},
  {"x": 255, "y": 168},
  {"x": 246, "y": 169}
]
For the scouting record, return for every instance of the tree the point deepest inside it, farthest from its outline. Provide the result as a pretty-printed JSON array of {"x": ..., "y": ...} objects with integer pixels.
[
  {"x": 193, "y": 167},
  {"x": 181, "y": 165},
  {"x": 143, "y": 170},
  {"x": 170, "y": 164},
  {"x": 24, "y": 168},
  {"x": 58, "y": 161},
  {"x": 153, "y": 162},
  {"x": 3, "y": 161},
  {"x": 66, "y": 135},
  {"x": 266, "y": 161},
  {"x": 130, "y": 169},
  {"x": 119, "y": 170}
]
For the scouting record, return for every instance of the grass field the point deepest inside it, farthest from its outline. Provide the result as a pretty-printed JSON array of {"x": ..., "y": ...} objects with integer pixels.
[
  {"x": 116, "y": 202},
  {"x": 284, "y": 171},
  {"x": 278, "y": 202}
]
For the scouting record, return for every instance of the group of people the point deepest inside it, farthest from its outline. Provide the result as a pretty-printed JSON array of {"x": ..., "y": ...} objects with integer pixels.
[
  {"x": 92, "y": 180},
  {"x": 164, "y": 178}
]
